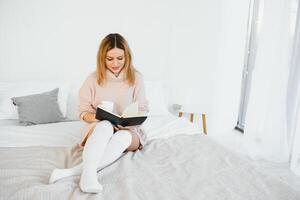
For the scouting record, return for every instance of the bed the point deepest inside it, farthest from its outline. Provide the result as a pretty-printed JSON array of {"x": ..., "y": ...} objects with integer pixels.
[{"x": 178, "y": 162}]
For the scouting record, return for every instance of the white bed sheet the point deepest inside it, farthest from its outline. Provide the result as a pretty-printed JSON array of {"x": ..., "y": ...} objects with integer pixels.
[
  {"x": 54, "y": 134},
  {"x": 69, "y": 133}
]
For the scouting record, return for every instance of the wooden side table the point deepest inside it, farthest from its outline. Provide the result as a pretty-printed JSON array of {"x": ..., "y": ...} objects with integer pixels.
[{"x": 204, "y": 127}]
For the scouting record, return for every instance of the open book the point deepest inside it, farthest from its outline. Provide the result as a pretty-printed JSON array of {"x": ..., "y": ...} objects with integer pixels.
[{"x": 129, "y": 117}]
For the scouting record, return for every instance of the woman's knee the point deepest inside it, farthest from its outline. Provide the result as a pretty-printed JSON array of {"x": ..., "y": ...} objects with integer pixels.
[
  {"x": 135, "y": 142},
  {"x": 104, "y": 127},
  {"x": 124, "y": 137}
]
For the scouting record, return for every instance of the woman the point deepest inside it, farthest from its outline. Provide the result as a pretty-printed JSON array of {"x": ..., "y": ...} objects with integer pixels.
[{"x": 117, "y": 81}]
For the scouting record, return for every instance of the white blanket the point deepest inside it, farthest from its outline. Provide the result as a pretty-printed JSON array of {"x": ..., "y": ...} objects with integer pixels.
[{"x": 177, "y": 163}]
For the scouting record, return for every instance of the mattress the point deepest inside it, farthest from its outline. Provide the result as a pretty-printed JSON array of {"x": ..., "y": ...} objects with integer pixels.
[{"x": 69, "y": 133}]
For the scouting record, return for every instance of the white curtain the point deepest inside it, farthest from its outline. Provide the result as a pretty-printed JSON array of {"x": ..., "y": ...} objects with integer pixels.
[
  {"x": 293, "y": 112},
  {"x": 272, "y": 121}
]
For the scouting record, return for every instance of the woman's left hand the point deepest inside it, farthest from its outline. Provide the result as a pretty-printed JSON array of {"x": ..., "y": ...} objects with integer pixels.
[
  {"x": 119, "y": 127},
  {"x": 123, "y": 127}
]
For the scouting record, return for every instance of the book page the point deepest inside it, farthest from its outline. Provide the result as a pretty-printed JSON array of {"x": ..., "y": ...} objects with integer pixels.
[
  {"x": 131, "y": 110},
  {"x": 108, "y": 106}
]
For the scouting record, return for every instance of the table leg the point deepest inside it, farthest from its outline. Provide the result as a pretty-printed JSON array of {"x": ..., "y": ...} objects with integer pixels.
[
  {"x": 192, "y": 117},
  {"x": 180, "y": 114},
  {"x": 204, "y": 124}
]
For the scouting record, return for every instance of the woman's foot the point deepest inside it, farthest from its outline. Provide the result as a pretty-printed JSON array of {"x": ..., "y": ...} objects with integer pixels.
[
  {"x": 57, "y": 174},
  {"x": 89, "y": 183}
]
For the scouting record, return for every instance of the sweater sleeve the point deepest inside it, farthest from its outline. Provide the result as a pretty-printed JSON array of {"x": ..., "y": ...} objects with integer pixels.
[
  {"x": 139, "y": 94},
  {"x": 86, "y": 94}
]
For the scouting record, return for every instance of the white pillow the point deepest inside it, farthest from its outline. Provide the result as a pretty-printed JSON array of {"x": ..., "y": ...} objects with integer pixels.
[
  {"x": 156, "y": 98},
  {"x": 16, "y": 89},
  {"x": 73, "y": 102}
]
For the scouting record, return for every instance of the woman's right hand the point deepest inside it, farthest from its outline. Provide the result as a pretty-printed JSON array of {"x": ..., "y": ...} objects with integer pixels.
[{"x": 90, "y": 117}]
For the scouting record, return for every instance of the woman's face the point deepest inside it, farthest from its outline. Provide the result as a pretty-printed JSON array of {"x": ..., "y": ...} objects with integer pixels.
[{"x": 115, "y": 60}]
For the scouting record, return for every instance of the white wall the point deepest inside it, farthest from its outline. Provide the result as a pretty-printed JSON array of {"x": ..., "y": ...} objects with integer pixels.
[{"x": 194, "y": 44}]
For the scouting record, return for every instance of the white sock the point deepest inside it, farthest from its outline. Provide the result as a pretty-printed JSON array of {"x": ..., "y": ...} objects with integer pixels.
[
  {"x": 91, "y": 156},
  {"x": 58, "y": 174},
  {"x": 119, "y": 142}
]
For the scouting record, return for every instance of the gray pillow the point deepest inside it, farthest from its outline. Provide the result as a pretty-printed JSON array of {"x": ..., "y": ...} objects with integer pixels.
[{"x": 38, "y": 108}]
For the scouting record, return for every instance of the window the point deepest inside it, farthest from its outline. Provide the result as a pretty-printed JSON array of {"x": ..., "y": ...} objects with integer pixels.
[{"x": 254, "y": 20}]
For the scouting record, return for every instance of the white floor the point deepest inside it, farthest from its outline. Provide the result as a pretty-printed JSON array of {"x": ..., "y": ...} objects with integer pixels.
[{"x": 233, "y": 141}]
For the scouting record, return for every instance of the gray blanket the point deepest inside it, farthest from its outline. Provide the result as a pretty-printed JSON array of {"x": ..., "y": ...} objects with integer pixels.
[{"x": 175, "y": 168}]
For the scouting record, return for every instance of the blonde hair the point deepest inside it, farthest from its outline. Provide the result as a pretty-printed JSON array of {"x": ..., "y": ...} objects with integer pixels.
[{"x": 114, "y": 40}]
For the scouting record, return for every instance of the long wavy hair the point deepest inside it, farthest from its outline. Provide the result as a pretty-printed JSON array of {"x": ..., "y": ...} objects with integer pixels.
[{"x": 114, "y": 40}]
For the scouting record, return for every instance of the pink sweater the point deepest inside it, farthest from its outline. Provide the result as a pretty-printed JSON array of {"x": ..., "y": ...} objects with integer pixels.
[{"x": 117, "y": 90}]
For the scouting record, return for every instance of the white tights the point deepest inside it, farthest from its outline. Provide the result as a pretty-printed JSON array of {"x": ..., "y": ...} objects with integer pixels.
[{"x": 101, "y": 149}]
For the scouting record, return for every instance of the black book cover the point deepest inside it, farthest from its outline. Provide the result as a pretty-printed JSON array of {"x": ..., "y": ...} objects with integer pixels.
[{"x": 102, "y": 114}]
